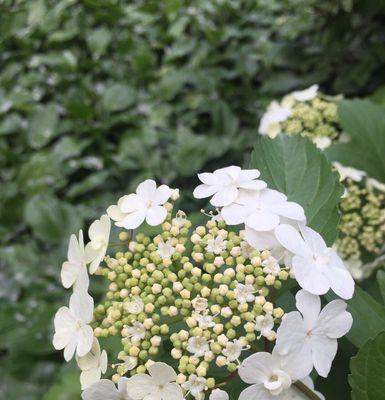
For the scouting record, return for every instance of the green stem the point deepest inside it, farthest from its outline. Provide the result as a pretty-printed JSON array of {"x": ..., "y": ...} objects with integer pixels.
[{"x": 306, "y": 391}]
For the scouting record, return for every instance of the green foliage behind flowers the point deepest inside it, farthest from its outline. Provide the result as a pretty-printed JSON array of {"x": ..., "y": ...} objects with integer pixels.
[{"x": 96, "y": 95}]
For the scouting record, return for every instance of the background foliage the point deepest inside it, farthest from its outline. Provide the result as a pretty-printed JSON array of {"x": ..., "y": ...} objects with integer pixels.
[{"x": 98, "y": 95}]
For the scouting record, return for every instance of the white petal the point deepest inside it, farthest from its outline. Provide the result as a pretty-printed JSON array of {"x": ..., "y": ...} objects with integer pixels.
[
  {"x": 313, "y": 239},
  {"x": 73, "y": 253},
  {"x": 135, "y": 219},
  {"x": 87, "y": 378},
  {"x": 224, "y": 196},
  {"x": 262, "y": 221},
  {"x": 334, "y": 321},
  {"x": 203, "y": 191},
  {"x": 83, "y": 281},
  {"x": 323, "y": 352},
  {"x": 91, "y": 359},
  {"x": 146, "y": 190},
  {"x": 69, "y": 273},
  {"x": 291, "y": 333},
  {"x": 82, "y": 306},
  {"x": 233, "y": 171},
  {"x": 261, "y": 240},
  {"x": 162, "y": 194},
  {"x": 64, "y": 320},
  {"x": 298, "y": 363},
  {"x": 69, "y": 350},
  {"x": 289, "y": 210},
  {"x": 115, "y": 213},
  {"x": 255, "y": 368},
  {"x": 156, "y": 215},
  {"x": 208, "y": 178},
  {"x": 218, "y": 394},
  {"x": 253, "y": 185},
  {"x": 256, "y": 392},
  {"x": 248, "y": 175},
  {"x": 162, "y": 373},
  {"x": 172, "y": 391},
  {"x": 132, "y": 203},
  {"x": 309, "y": 306},
  {"x": 270, "y": 196},
  {"x": 85, "y": 339},
  {"x": 102, "y": 390},
  {"x": 234, "y": 214},
  {"x": 122, "y": 386},
  {"x": 340, "y": 278},
  {"x": 140, "y": 385},
  {"x": 290, "y": 238},
  {"x": 310, "y": 276},
  {"x": 103, "y": 362},
  {"x": 60, "y": 340}
]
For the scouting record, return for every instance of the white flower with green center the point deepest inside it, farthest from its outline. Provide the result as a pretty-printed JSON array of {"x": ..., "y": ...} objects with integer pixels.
[
  {"x": 72, "y": 329},
  {"x": 74, "y": 270},
  {"x": 262, "y": 211},
  {"x": 267, "y": 375},
  {"x": 136, "y": 332},
  {"x": 309, "y": 337},
  {"x": 216, "y": 245},
  {"x": 218, "y": 394},
  {"x": 99, "y": 234},
  {"x": 264, "y": 324},
  {"x": 158, "y": 385},
  {"x": 244, "y": 293},
  {"x": 198, "y": 346},
  {"x": 135, "y": 306},
  {"x": 195, "y": 385},
  {"x": 225, "y": 184},
  {"x": 92, "y": 365},
  {"x": 147, "y": 204},
  {"x": 106, "y": 390},
  {"x": 165, "y": 250},
  {"x": 233, "y": 350},
  {"x": 316, "y": 267},
  {"x": 205, "y": 321}
]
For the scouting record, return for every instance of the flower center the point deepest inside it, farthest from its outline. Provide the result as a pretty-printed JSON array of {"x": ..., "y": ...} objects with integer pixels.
[
  {"x": 149, "y": 204},
  {"x": 78, "y": 324}
]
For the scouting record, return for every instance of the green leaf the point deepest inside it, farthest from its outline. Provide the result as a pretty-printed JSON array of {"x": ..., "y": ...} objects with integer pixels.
[
  {"x": 381, "y": 283},
  {"x": 98, "y": 41},
  {"x": 368, "y": 316},
  {"x": 43, "y": 126},
  {"x": 364, "y": 121},
  {"x": 294, "y": 166},
  {"x": 368, "y": 379},
  {"x": 67, "y": 389},
  {"x": 118, "y": 97},
  {"x": 51, "y": 219}
]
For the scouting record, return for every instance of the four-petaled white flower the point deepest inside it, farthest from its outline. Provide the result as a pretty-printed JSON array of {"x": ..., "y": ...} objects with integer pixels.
[
  {"x": 267, "y": 375},
  {"x": 136, "y": 332},
  {"x": 271, "y": 266},
  {"x": 275, "y": 113},
  {"x": 264, "y": 324},
  {"x": 135, "y": 306},
  {"x": 92, "y": 365},
  {"x": 205, "y": 321},
  {"x": 99, "y": 233},
  {"x": 216, "y": 245},
  {"x": 106, "y": 390},
  {"x": 305, "y": 95},
  {"x": 309, "y": 337},
  {"x": 146, "y": 204},
  {"x": 225, "y": 184},
  {"x": 233, "y": 350},
  {"x": 195, "y": 385},
  {"x": 262, "y": 210},
  {"x": 165, "y": 250},
  {"x": 72, "y": 329},
  {"x": 244, "y": 293},
  {"x": 316, "y": 267},
  {"x": 74, "y": 271},
  {"x": 198, "y": 346},
  {"x": 158, "y": 385},
  {"x": 218, "y": 394}
]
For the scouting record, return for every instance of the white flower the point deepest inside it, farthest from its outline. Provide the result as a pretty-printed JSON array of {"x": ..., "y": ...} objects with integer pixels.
[
  {"x": 316, "y": 267},
  {"x": 135, "y": 306},
  {"x": 262, "y": 210},
  {"x": 106, "y": 390},
  {"x": 233, "y": 350},
  {"x": 136, "y": 332},
  {"x": 199, "y": 303},
  {"x": 116, "y": 213},
  {"x": 205, "y": 321},
  {"x": 244, "y": 293},
  {"x": 322, "y": 142},
  {"x": 216, "y": 245},
  {"x": 129, "y": 363},
  {"x": 348, "y": 172},
  {"x": 295, "y": 394},
  {"x": 218, "y": 394},
  {"x": 264, "y": 324},
  {"x": 271, "y": 266},
  {"x": 92, "y": 365},
  {"x": 146, "y": 204},
  {"x": 246, "y": 249},
  {"x": 309, "y": 337},
  {"x": 198, "y": 346},
  {"x": 270, "y": 121},
  {"x": 72, "y": 329},
  {"x": 74, "y": 270},
  {"x": 99, "y": 233},
  {"x": 158, "y": 385},
  {"x": 266, "y": 374},
  {"x": 225, "y": 184},
  {"x": 195, "y": 385},
  {"x": 373, "y": 183},
  {"x": 165, "y": 249},
  {"x": 307, "y": 94}
]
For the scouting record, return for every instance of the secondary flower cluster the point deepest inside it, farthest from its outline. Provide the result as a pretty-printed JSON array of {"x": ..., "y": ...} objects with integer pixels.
[{"x": 195, "y": 308}]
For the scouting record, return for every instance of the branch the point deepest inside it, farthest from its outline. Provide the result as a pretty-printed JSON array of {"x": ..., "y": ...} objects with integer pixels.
[{"x": 306, "y": 390}]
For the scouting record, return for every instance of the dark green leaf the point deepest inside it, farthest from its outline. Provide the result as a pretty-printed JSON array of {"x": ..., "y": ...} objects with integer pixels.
[
  {"x": 43, "y": 126},
  {"x": 118, "y": 97}
]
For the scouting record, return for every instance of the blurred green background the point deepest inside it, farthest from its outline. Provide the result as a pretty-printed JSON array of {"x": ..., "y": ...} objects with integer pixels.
[{"x": 97, "y": 95}]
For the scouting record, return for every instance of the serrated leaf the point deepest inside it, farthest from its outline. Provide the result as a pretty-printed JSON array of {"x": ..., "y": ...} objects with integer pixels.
[
  {"x": 43, "y": 126},
  {"x": 367, "y": 377},
  {"x": 364, "y": 122},
  {"x": 294, "y": 166}
]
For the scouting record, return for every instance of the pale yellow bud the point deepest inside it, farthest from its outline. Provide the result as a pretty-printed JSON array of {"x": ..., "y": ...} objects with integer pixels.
[
  {"x": 198, "y": 257},
  {"x": 115, "y": 378},
  {"x": 149, "y": 308},
  {"x": 195, "y": 238},
  {"x": 156, "y": 288},
  {"x": 155, "y": 341},
  {"x": 223, "y": 289},
  {"x": 174, "y": 231},
  {"x": 221, "y": 361},
  {"x": 222, "y": 340},
  {"x": 215, "y": 309},
  {"x": 179, "y": 248},
  {"x": 200, "y": 230},
  {"x": 269, "y": 279},
  {"x": 185, "y": 294},
  {"x": 136, "y": 273},
  {"x": 166, "y": 226},
  {"x": 196, "y": 271},
  {"x": 183, "y": 335},
  {"x": 132, "y": 246},
  {"x": 278, "y": 312},
  {"x": 201, "y": 371},
  {"x": 148, "y": 323},
  {"x": 177, "y": 287},
  {"x": 172, "y": 311},
  {"x": 176, "y": 354},
  {"x": 236, "y": 251},
  {"x": 249, "y": 327},
  {"x": 268, "y": 307},
  {"x": 226, "y": 312},
  {"x": 229, "y": 272},
  {"x": 218, "y": 278},
  {"x": 157, "y": 239},
  {"x": 191, "y": 322},
  {"x": 150, "y": 267},
  {"x": 209, "y": 356},
  {"x": 249, "y": 279},
  {"x": 261, "y": 300},
  {"x": 256, "y": 261},
  {"x": 181, "y": 379},
  {"x": 167, "y": 262},
  {"x": 271, "y": 336},
  {"x": 205, "y": 291},
  {"x": 240, "y": 268},
  {"x": 265, "y": 254},
  {"x": 218, "y": 329}
]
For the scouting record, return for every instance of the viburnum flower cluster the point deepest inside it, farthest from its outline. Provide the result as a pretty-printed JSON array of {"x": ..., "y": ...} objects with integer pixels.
[{"x": 195, "y": 308}]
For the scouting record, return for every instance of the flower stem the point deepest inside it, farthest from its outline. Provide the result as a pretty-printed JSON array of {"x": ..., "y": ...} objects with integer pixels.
[{"x": 306, "y": 390}]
